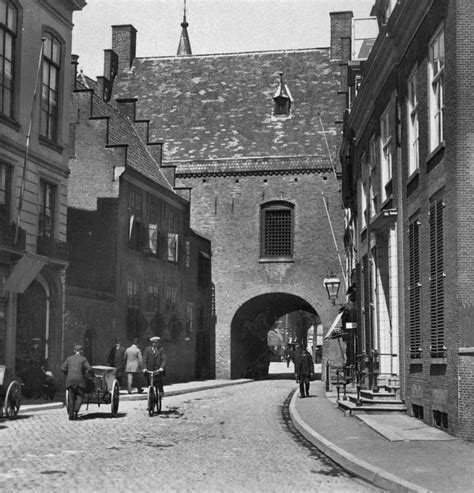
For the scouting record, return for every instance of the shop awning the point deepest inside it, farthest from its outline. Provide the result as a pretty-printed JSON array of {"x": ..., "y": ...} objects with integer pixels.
[
  {"x": 335, "y": 327},
  {"x": 23, "y": 273}
]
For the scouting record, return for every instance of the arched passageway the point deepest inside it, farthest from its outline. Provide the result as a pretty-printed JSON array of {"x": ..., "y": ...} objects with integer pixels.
[{"x": 250, "y": 353}]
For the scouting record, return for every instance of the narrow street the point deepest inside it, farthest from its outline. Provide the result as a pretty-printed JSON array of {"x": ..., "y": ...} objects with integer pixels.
[{"x": 237, "y": 438}]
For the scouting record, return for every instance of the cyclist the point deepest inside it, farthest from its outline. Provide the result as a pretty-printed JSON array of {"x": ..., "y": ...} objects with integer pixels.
[{"x": 154, "y": 358}]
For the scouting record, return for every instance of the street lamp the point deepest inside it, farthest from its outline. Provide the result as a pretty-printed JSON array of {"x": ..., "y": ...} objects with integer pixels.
[{"x": 332, "y": 287}]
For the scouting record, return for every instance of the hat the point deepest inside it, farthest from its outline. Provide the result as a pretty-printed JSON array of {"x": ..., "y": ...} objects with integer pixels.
[
  {"x": 78, "y": 347},
  {"x": 155, "y": 339}
]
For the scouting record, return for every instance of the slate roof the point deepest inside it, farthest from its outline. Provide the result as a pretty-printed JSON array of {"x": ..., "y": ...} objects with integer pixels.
[
  {"x": 220, "y": 106},
  {"x": 121, "y": 132}
]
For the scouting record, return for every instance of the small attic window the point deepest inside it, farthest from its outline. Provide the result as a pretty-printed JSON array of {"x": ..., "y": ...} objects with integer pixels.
[{"x": 282, "y": 99}]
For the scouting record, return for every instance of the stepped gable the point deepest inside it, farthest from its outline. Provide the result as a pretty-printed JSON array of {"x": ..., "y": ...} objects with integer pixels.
[
  {"x": 221, "y": 106},
  {"x": 121, "y": 132},
  {"x": 253, "y": 166}
]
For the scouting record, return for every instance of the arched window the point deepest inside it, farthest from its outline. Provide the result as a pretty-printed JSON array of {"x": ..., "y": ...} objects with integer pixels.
[{"x": 277, "y": 230}]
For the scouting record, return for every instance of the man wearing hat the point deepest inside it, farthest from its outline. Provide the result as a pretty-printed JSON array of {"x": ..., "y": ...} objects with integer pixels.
[
  {"x": 154, "y": 358},
  {"x": 75, "y": 368}
]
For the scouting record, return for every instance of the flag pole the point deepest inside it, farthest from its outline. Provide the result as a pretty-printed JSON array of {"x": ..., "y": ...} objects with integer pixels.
[{"x": 28, "y": 135}]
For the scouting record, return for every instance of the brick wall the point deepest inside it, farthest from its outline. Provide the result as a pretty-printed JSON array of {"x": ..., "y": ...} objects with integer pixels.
[{"x": 227, "y": 210}]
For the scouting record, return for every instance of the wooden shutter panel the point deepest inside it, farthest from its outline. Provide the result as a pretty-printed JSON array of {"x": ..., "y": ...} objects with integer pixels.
[
  {"x": 437, "y": 279},
  {"x": 414, "y": 289}
]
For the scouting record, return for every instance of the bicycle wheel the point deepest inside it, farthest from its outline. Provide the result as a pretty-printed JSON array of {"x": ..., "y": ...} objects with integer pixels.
[
  {"x": 158, "y": 402},
  {"x": 151, "y": 400}
]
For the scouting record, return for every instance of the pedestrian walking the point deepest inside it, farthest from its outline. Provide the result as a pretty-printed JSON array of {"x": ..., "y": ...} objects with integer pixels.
[
  {"x": 76, "y": 369},
  {"x": 133, "y": 366},
  {"x": 116, "y": 358},
  {"x": 154, "y": 358},
  {"x": 304, "y": 369}
]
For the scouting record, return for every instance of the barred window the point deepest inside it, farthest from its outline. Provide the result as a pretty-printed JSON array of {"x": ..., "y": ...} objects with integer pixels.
[
  {"x": 414, "y": 287},
  {"x": 277, "y": 230}
]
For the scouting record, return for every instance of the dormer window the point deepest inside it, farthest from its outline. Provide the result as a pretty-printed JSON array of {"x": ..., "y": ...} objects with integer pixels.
[{"x": 282, "y": 99}]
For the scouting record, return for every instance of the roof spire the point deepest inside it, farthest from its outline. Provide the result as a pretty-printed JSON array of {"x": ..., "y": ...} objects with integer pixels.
[{"x": 184, "y": 47}]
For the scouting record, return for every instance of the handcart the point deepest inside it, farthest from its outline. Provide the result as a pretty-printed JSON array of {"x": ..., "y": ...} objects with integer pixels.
[
  {"x": 102, "y": 389},
  {"x": 10, "y": 392}
]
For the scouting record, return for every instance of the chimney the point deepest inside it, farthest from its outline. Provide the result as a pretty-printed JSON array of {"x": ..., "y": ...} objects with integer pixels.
[
  {"x": 124, "y": 40},
  {"x": 341, "y": 34},
  {"x": 74, "y": 64}
]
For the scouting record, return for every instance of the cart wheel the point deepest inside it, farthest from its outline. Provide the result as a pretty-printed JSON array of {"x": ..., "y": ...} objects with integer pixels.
[
  {"x": 69, "y": 404},
  {"x": 13, "y": 399},
  {"x": 151, "y": 400},
  {"x": 115, "y": 399}
]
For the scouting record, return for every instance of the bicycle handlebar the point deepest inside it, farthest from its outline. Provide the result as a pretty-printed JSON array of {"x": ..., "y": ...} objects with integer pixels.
[{"x": 153, "y": 372}]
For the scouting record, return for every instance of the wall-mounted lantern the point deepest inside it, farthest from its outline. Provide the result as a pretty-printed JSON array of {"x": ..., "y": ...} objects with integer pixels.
[{"x": 332, "y": 285}]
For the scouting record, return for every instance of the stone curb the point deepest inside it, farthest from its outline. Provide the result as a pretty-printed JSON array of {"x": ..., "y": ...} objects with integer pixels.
[
  {"x": 185, "y": 390},
  {"x": 28, "y": 408},
  {"x": 358, "y": 467}
]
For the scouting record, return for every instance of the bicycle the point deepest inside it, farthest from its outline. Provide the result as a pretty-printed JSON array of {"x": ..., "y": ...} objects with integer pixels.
[{"x": 154, "y": 396}]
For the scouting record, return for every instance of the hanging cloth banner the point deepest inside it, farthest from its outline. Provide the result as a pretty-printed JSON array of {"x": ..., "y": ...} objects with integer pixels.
[
  {"x": 130, "y": 226},
  {"x": 336, "y": 325},
  {"x": 153, "y": 237},
  {"x": 23, "y": 273}
]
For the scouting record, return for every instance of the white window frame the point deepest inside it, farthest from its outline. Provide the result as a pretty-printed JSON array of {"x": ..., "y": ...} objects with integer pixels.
[
  {"x": 373, "y": 176},
  {"x": 389, "y": 6},
  {"x": 436, "y": 57},
  {"x": 413, "y": 124},
  {"x": 385, "y": 153}
]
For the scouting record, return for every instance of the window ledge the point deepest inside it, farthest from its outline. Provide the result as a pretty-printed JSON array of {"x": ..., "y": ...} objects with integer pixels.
[
  {"x": 413, "y": 175},
  {"x": 467, "y": 351},
  {"x": 10, "y": 122},
  {"x": 52, "y": 145},
  {"x": 435, "y": 156},
  {"x": 273, "y": 260},
  {"x": 439, "y": 361}
]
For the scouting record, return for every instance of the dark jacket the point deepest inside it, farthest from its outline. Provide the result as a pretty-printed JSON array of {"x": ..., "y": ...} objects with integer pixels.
[
  {"x": 304, "y": 364},
  {"x": 154, "y": 361},
  {"x": 116, "y": 358},
  {"x": 75, "y": 368}
]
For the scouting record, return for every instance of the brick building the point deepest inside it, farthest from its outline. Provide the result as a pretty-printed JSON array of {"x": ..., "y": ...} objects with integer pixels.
[
  {"x": 407, "y": 179},
  {"x": 35, "y": 83},
  {"x": 253, "y": 136},
  {"x": 136, "y": 269}
]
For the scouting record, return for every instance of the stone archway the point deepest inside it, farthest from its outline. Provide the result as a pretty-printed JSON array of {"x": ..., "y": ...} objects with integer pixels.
[{"x": 250, "y": 355}]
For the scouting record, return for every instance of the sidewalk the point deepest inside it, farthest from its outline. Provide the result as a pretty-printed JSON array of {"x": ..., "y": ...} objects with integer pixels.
[{"x": 404, "y": 454}]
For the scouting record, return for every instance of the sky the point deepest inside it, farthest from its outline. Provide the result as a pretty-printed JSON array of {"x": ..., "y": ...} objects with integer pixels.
[{"x": 215, "y": 26}]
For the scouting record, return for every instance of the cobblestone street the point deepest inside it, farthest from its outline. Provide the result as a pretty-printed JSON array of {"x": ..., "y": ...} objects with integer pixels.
[{"x": 230, "y": 439}]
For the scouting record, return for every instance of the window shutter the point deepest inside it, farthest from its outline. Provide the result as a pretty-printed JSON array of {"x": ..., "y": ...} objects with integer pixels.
[
  {"x": 437, "y": 279},
  {"x": 367, "y": 305},
  {"x": 414, "y": 289}
]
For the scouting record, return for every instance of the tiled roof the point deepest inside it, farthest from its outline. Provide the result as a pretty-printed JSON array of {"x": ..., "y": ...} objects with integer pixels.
[
  {"x": 253, "y": 166},
  {"x": 221, "y": 106},
  {"x": 121, "y": 132}
]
